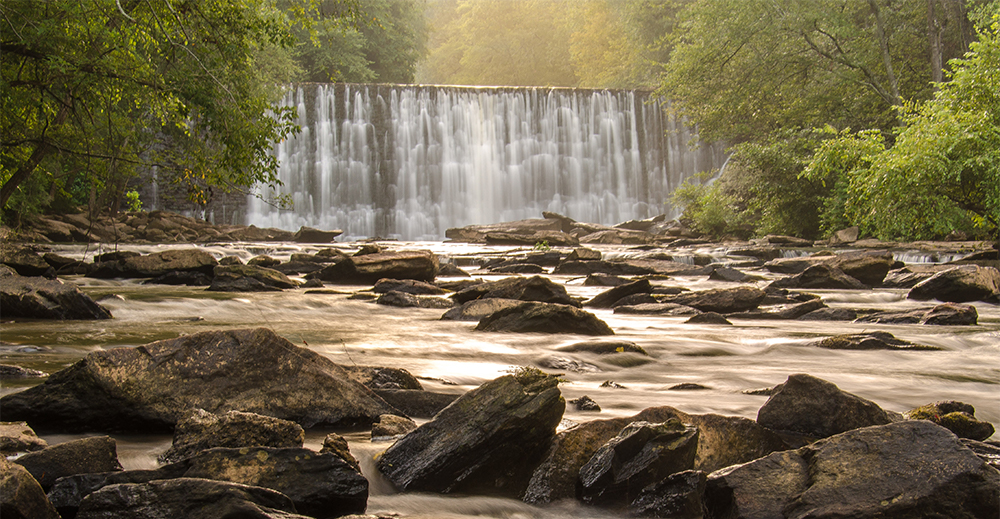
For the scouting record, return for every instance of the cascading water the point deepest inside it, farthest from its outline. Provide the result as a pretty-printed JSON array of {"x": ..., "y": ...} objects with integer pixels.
[{"x": 409, "y": 162}]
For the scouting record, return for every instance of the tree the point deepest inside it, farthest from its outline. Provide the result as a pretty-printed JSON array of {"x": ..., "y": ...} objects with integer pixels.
[
  {"x": 103, "y": 87},
  {"x": 742, "y": 69},
  {"x": 943, "y": 170}
]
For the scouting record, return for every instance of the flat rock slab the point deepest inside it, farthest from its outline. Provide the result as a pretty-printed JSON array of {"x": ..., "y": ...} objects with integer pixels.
[{"x": 151, "y": 387}]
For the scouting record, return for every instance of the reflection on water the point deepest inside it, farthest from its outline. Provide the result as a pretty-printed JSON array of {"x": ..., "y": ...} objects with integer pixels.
[{"x": 450, "y": 357}]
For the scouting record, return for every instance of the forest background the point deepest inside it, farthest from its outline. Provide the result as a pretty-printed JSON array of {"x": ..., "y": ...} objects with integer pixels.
[{"x": 884, "y": 114}]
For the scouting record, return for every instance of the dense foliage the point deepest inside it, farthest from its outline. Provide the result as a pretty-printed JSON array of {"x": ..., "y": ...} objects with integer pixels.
[
  {"x": 94, "y": 92},
  {"x": 924, "y": 162}
]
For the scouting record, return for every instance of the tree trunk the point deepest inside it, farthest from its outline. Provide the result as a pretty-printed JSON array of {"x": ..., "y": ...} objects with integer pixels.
[
  {"x": 41, "y": 151},
  {"x": 934, "y": 30},
  {"x": 883, "y": 43}
]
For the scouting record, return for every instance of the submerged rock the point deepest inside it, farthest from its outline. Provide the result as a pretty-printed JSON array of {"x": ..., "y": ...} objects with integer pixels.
[
  {"x": 487, "y": 441},
  {"x": 812, "y": 406},
  {"x": 544, "y": 318},
  {"x": 151, "y": 387},
  {"x": 869, "y": 341},
  {"x": 913, "y": 469}
]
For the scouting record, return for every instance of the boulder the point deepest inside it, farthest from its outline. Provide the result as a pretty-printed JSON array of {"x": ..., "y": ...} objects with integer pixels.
[
  {"x": 869, "y": 341},
  {"x": 88, "y": 455},
  {"x": 40, "y": 298},
  {"x": 544, "y": 318},
  {"x": 201, "y": 430},
  {"x": 947, "y": 314},
  {"x": 845, "y": 236},
  {"x": 535, "y": 288},
  {"x": 21, "y": 497},
  {"x": 723, "y": 441},
  {"x": 868, "y": 267},
  {"x": 564, "y": 364},
  {"x": 640, "y": 455},
  {"x": 678, "y": 496},
  {"x": 173, "y": 260},
  {"x": 18, "y": 437},
  {"x": 190, "y": 498},
  {"x": 793, "y": 311},
  {"x": 786, "y": 241},
  {"x": 451, "y": 270},
  {"x": 830, "y": 314},
  {"x": 709, "y": 318},
  {"x": 608, "y": 298},
  {"x": 478, "y": 308},
  {"x": 812, "y": 406},
  {"x": 585, "y": 403},
  {"x": 592, "y": 267},
  {"x": 583, "y": 254},
  {"x": 389, "y": 426},
  {"x": 26, "y": 262},
  {"x": 310, "y": 235},
  {"x": 193, "y": 279},
  {"x": 291, "y": 268},
  {"x": 263, "y": 261},
  {"x": 487, "y": 441},
  {"x": 721, "y": 300},
  {"x": 602, "y": 347},
  {"x": 477, "y": 233},
  {"x": 794, "y": 265},
  {"x": 151, "y": 387},
  {"x": 408, "y": 286},
  {"x": 406, "y": 300},
  {"x": 9, "y": 372},
  {"x": 720, "y": 273},
  {"x": 249, "y": 278},
  {"x": 912, "y": 469},
  {"x": 905, "y": 277},
  {"x": 618, "y": 237},
  {"x": 378, "y": 377},
  {"x": 551, "y": 238},
  {"x": 603, "y": 280},
  {"x": 368, "y": 269},
  {"x": 635, "y": 299},
  {"x": 65, "y": 266},
  {"x": 820, "y": 276},
  {"x": 337, "y": 445},
  {"x": 656, "y": 309},
  {"x": 957, "y": 417},
  {"x": 961, "y": 284},
  {"x": 417, "y": 403}
]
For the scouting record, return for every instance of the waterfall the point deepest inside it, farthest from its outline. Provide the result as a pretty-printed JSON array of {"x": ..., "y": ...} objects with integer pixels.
[{"x": 409, "y": 162}]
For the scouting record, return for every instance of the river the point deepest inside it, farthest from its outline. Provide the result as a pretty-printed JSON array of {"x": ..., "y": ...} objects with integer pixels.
[{"x": 449, "y": 356}]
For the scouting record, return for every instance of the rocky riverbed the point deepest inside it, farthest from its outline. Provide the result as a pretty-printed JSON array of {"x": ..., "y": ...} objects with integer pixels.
[{"x": 544, "y": 368}]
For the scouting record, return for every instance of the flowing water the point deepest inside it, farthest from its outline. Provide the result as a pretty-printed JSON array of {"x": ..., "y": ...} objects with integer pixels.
[
  {"x": 449, "y": 356},
  {"x": 408, "y": 162}
]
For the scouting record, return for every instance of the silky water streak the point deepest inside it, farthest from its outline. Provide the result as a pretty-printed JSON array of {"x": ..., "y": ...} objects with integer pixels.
[{"x": 409, "y": 162}]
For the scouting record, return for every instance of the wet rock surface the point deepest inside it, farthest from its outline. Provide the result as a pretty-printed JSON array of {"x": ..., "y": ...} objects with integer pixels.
[
  {"x": 42, "y": 298},
  {"x": 151, "y": 387},
  {"x": 544, "y": 318},
  {"x": 809, "y": 405}
]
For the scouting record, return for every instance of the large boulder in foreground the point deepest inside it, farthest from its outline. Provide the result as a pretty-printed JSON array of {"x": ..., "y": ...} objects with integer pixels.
[
  {"x": 961, "y": 284},
  {"x": 151, "y": 387},
  {"x": 191, "y": 498},
  {"x": 486, "y": 442},
  {"x": 368, "y": 269},
  {"x": 544, "y": 318},
  {"x": 722, "y": 441},
  {"x": 41, "y": 298},
  {"x": 808, "y": 405},
  {"x": 912, "y": 470}
]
